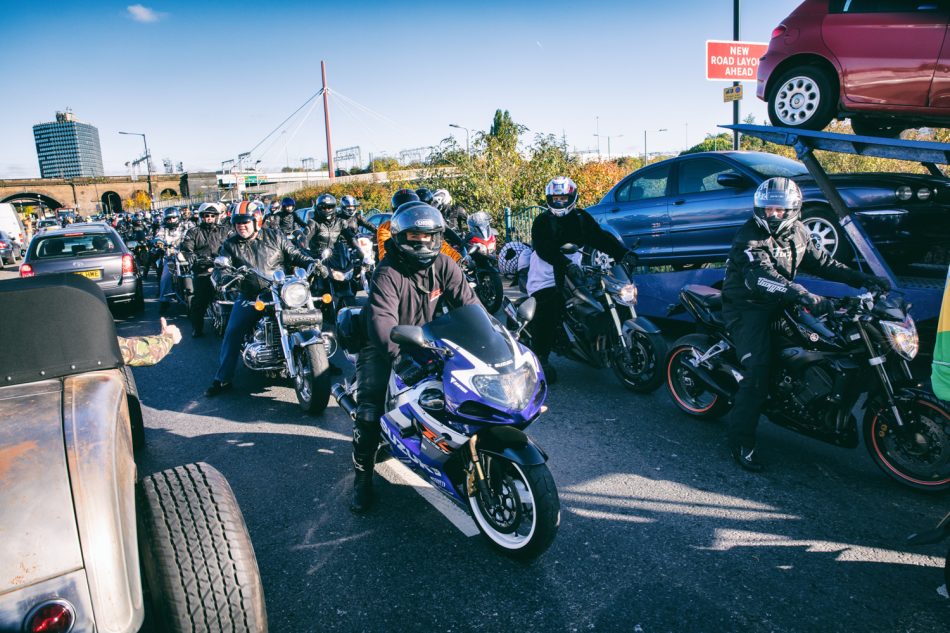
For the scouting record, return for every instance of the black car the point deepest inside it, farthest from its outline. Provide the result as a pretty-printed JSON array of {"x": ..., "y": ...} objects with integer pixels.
[{"x": 686, "y": 210}]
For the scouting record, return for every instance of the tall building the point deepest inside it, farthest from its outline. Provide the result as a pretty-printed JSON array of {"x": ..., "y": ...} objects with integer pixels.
[{"x": 68, "y": 148}]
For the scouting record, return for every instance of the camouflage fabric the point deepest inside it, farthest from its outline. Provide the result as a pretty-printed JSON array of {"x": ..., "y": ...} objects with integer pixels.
[{"x": 141, "y": 351}]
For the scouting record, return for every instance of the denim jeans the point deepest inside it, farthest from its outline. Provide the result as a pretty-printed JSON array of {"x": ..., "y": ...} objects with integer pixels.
[{"x": 242, "y": 321}]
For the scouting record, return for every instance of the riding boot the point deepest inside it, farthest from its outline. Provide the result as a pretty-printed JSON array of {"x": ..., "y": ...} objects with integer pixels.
[{"x": 365, "y": 444}]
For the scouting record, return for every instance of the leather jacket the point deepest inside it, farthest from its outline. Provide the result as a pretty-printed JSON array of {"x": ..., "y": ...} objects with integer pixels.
[
  {"x": 761, "y": 267},
  {"x": 268, "y": 251},
  {"x": 201, "y": 244},
  {"x": 323, "y": 235},
  {"x": 171, "y": 237},
  {"x": 284, "y": 221}
]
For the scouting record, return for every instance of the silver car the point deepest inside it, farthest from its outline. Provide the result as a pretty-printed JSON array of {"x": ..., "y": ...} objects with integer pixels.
[
  {"x": 93, "y": 250},
  {"x": 9, "y": 249},
  {"x": 81, "y": 534}
]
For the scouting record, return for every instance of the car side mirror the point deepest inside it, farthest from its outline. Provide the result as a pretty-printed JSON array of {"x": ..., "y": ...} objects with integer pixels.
[
  {"x": 408, "y": 335},
  {"x": 734, "y": 181},
  {"x": 526, "y": 309}
]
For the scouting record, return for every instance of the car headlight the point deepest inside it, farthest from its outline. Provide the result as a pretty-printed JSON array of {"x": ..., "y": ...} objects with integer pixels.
[
  {"x": 902, "y": 337},
  {"x": 924, "y": 193},
  {"x": 295, "y": 294},
  {"x": 904, "y": 193},
  {"x": 512, "y": 390}
]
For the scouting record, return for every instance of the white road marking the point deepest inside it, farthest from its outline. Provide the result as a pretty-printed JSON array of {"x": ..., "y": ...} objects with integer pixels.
[{"x": 397, "y": 473}]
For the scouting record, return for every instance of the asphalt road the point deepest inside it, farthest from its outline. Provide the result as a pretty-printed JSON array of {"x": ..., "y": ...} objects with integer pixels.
[{"x": 659, "y": 531}]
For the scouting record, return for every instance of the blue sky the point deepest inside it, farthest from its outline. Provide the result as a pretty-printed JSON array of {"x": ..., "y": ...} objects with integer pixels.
[{"x": 206, "y": 81}]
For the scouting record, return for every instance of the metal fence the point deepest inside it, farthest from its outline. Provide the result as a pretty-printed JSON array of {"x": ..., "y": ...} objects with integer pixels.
[{"x": 518, "y": 223}]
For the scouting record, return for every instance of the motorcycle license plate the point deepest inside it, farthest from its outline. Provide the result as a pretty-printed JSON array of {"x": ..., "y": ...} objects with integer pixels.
[{"x": 90, "y": 274}]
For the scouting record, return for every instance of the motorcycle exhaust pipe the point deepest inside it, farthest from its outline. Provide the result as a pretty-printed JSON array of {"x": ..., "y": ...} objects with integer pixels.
[
  {"x": 707, "y": 377},
  {"x": 345, "y": 400}
]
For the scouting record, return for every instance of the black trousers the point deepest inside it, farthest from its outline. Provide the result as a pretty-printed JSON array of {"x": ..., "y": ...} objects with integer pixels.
[
  {"x": 749, "y": 331},
  {"x": 204, "y": 295},
  {"x": 548, "y": 317},
  {"x": 372, "y": 375}
]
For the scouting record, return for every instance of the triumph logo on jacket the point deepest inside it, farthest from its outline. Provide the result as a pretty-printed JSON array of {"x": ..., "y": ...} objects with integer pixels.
[{"x": 772, "y": 286}]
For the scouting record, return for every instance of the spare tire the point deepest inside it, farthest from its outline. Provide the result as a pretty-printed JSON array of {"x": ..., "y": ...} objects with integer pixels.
[{"x": 200, "y": 569}]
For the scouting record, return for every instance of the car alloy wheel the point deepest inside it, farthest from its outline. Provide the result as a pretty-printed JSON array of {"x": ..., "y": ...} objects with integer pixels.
[
  {"x": 797, "y": 101},
  {"x": 823, "y": 234}
]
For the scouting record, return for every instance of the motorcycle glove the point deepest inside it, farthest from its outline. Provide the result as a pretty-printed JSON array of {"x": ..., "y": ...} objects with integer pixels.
[
  {"x": 873, "y": 282},
  {"x": 317, "y": 268},
  {"x": 630, "y": 260},
  {"x": 816, "y": 304},
  {"x": 576, "y": 274}
]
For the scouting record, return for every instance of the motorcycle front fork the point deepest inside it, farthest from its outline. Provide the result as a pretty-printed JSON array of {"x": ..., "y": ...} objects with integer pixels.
[{"x": 877, "y": 362}]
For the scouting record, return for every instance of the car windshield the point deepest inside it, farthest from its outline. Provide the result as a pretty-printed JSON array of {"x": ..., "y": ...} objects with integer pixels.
[
  {"x": 74, "y": 245},
  {"x": 771, "y": 166}
]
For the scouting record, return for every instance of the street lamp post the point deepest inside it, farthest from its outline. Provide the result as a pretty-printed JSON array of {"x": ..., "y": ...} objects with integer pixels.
[
  {"x": 148, "y": 167},
  {"x": 608, "y": 137},
  {"x": 646, "y": 156},
  {"x": 468, "y": 151}
]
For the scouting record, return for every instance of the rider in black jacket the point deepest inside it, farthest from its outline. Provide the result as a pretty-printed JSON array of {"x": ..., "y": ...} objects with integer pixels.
[
  {"x": 200, "y": 246},
  {"x": 267, "y": 251},
  {"x": 350, "y": 212},
  {"x": 766, "y": 254},
  {"x": 284, "y": 219},
  {"x": 326, "y": 226},
  {"x": 412, "y": 280},
  {"x": 563, "y": 223}
]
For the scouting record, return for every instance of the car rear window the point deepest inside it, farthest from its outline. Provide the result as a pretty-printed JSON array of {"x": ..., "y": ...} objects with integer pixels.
[
  {"x": 74, "y": 245},
  {"x": 880, "y": 6}
]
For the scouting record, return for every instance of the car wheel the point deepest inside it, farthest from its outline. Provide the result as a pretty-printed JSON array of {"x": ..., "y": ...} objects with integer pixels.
[
  {"x": 826, "y": 233},
  {"x": 199, "y": 564},
  {"x": 865, "y": 126},
  {"x": 804, "y": 97}
]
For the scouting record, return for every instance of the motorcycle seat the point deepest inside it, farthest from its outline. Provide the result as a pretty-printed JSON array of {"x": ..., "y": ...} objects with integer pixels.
[{"x": 710, "y": 298}]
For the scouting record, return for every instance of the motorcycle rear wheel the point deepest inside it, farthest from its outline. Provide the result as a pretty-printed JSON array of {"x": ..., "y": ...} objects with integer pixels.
[
  {"x": 685, "y": 387},
  {"x": 644, "y": 372},
  {"x": 917, "y": 455},
  {"x": 525, "y": 512},
  {"x": 313, "y": 389}
]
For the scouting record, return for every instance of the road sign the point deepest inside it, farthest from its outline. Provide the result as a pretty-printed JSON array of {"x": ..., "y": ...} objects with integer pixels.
[
  {"x": 250, "y": 180},
  {"x": 733, "y": 61},
  {"x": 732, "y": 93}
]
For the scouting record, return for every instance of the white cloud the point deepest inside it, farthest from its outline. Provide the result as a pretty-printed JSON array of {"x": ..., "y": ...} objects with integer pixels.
[{"x": 141, "y": 13}]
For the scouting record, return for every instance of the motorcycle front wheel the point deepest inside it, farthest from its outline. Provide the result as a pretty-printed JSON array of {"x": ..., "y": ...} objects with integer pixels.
[
  {"x": 641, "y": 368},
  {"x": 312, "y": 383},
  {"x": 916, "y": 454},
  {"x": 490, "y": 290},
  {"x": 523, "y": 512}
]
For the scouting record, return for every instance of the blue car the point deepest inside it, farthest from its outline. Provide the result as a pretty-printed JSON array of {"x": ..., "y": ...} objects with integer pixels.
[{"x": 685, "y": 211}]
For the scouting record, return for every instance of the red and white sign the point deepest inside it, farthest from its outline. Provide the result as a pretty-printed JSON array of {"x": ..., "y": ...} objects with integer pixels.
[{"x": 733, "y": 61}]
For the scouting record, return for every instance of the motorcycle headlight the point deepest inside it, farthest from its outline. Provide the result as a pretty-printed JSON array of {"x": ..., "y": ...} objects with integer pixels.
[
  {"x": 627, "y": 294},
  {"x": 295, "y": 294},
  {"x": 902, "y": 337},
  {"x": 337, "y": 275},
  {"x": 904, "y": 193},
  {"x": 513, "y": 390}
]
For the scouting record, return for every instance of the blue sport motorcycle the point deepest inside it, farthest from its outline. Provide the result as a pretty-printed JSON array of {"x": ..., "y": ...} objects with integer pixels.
[{"x": 458, "y": 402}]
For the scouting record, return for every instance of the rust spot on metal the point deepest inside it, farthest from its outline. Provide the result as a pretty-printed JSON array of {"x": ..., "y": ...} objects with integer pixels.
[{"x": 10, "y": 454}]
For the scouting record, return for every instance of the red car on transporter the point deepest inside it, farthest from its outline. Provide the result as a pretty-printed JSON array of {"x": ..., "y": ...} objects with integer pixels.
[{"x": 884, "y": 63}]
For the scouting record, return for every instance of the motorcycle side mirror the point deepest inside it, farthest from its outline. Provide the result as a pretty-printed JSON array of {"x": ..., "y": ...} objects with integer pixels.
[
  {"x": 526, "y": 309},
  {"x": 570, "y": 249},
  {"x": 222, "y": 262},
  {"x": 408, "y": 335}
]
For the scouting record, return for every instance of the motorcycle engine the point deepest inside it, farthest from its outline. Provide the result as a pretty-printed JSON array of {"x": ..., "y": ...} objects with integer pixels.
[
  {"x": 264, "y": 350},
  {"x": 804, "y": 394}
]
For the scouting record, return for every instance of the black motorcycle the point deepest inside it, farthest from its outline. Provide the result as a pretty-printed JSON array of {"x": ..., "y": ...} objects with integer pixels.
[
  {"x": 601, "y": 326},
  {"x": 140, "y": 252},
  {"x": 822, "y": 367}
]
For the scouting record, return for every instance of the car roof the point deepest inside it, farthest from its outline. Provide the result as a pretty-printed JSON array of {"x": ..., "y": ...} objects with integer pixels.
[
  {"x": 78, "y": 335},
  {"x": 80, "y": 227}
]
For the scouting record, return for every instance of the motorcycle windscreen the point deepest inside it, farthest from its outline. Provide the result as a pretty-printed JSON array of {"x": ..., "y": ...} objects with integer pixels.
[{"x": 472, "y": 329}]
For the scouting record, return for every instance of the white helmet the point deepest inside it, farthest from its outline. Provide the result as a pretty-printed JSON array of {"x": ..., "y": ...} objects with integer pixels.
[
  {"x": 561, "y": 195},
  {"x": 441, "y": 199}
]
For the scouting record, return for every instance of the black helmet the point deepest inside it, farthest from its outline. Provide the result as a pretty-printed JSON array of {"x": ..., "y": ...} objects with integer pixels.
[
  {"x": 425, "y": 195},
  {"x": 171, "y": 217},
  {"x": 348, "y": 206},
  {"x": 417, "y": 217},
  {"x": 403, "y": 196},
  {"x": 274, "y": 206},
  {"x": 288, "y": 204},
  {"x": 775, "y": 194},
  {"x": 324, "y": 207}
]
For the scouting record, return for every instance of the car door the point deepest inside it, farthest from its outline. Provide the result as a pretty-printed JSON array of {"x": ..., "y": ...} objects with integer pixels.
[
  {"x": 705, "y": 215},
  {"x": 637, "y": 210},
  {"x": 887, "y": 49}
]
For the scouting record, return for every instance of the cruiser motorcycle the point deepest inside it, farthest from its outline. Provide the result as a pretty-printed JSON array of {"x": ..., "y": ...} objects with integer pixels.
[
  {"x": 601, "y": 327},
  {"x": 458, "y": 402},
  {"x": 288, "y": 340},
  {"x": 822, "y": 367}
]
